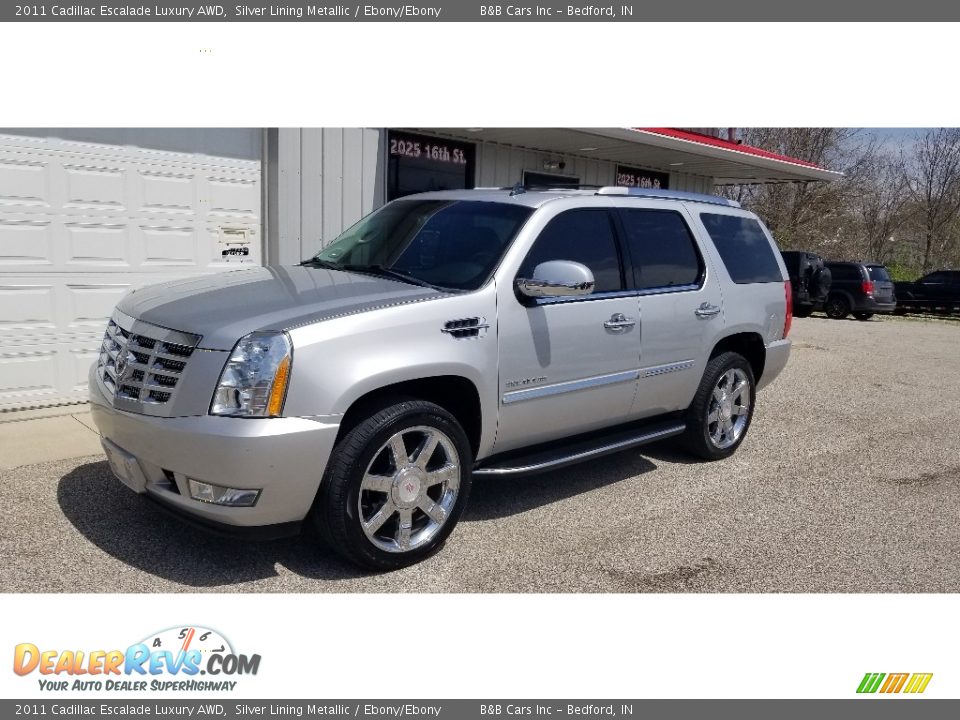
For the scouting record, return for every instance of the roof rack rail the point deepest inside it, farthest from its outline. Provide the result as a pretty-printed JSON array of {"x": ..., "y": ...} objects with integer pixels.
[
  {"x": 550, "y": 186},
  {"x": 668, "y": 195}
]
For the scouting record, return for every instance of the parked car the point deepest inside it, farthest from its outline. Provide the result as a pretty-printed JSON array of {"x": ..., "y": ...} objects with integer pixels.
[
  {"x": 447, "y": 336},
  {"x": 863, "y": 289},
  {"x": 809, "y": 278},
  {"x": 935, "y": 292}
]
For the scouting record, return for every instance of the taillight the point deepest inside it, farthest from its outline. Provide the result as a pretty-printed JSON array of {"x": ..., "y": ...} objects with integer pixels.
[
  {"x": 788, "y": 320},
  {"x": 867, "y": 286}
]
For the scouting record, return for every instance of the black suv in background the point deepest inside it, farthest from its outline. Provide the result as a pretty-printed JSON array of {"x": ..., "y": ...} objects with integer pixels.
[
  {"x": 863, "y": 289},
  {"x": 809, "y": 279}
]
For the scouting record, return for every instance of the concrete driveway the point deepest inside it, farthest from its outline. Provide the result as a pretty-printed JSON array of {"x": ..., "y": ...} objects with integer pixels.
[{"x": 849, "y": 481}]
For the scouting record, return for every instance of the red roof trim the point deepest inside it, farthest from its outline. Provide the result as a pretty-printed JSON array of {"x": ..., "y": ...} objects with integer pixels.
[{"x": 702, "y": 139}]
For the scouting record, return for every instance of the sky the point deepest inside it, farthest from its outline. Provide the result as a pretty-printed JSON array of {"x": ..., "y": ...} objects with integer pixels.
[{"x": 893, "y": 138}]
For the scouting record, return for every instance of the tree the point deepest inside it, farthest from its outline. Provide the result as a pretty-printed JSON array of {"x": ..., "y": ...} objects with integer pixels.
[
  {"x": 880, "y": 202},
  {"x": 809, "y": 215},
  {"x": 932, "y": 178}
]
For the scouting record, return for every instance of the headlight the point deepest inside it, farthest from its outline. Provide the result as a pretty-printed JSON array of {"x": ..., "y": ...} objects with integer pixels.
[{"x": 254, "y": 381}]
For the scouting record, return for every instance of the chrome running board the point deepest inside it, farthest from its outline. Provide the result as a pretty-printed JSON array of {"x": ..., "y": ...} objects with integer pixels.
[{"x": 569, "y": 451}]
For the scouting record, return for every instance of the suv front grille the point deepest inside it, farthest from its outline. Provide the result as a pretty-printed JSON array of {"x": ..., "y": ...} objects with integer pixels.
[{"x": 143, "y": 368}]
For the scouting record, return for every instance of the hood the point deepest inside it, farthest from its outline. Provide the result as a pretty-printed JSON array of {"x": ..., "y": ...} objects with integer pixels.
[{"x": 226, "y": 306}]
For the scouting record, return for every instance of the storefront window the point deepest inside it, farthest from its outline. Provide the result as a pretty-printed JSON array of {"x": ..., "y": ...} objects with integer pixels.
[{"x": 544, "y": 180}]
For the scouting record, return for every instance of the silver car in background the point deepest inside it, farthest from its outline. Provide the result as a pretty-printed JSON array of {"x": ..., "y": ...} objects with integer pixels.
[{"x": 447, "y": 336}]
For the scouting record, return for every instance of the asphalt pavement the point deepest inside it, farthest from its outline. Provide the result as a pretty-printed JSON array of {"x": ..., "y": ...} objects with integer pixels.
[{"x": 849, "y": 481}]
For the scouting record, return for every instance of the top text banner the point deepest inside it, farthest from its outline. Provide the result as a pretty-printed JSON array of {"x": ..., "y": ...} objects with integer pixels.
[{"x": 466, "y": 11}]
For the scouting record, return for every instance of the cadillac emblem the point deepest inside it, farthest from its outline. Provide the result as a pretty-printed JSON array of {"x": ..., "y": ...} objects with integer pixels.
[{"x": 122, "y": 367}]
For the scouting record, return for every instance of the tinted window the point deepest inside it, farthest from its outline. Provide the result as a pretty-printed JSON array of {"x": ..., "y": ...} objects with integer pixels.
[
  {"x": 452, "y": 244},
  {"x": 583, "y": 236},
  {"x": 792, "y": 261},
  {"x": 937, "y": 277},
  {"x": 744, "y": 248},
  {"x": 878, "y": 272},
  {"x": 845, "y": 272},
  {"x": 661, "y": 249}
]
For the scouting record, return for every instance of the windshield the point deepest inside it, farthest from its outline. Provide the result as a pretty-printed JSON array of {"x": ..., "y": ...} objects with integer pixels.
[{"x": 451, "y": 244}]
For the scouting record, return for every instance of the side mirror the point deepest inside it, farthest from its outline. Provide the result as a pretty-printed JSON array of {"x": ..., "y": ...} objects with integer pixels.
[{"x": 557, "y": 278}]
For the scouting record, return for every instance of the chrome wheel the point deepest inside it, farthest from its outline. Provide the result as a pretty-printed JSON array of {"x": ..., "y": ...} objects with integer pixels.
[
  {"x": 409, "y": 489},
  {"x": 728, "y": 411}
]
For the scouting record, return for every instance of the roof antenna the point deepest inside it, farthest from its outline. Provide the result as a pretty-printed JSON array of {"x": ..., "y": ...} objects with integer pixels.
[{"x": 518, "y": 189}]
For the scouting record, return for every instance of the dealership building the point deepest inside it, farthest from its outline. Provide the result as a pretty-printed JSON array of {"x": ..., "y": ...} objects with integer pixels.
[{"x": 88, "y": 214}]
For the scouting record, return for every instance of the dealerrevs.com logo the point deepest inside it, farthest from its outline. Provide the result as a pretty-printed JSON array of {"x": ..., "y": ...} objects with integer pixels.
[
  {"x": 893, "y": 683},
  {"x": 179, "y": 659}
]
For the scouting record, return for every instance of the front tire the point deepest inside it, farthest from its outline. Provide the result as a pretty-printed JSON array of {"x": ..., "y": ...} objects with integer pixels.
[
  {"x": 395, "y": 486},
  {"x": 721, "y": 411}
]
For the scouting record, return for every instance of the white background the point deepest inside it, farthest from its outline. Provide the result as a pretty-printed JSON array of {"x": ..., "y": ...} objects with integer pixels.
[{"x": 488, "y": 75}]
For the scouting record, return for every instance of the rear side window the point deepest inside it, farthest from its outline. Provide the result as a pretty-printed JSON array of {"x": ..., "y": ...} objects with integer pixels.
[
  {"x": 583, "y": 236},
  {"x": 661, "y": 248},
  {"x": 845, "y": 272},
  {"x": 743, "y": 247},
  {"x": 878, "y": 272}
]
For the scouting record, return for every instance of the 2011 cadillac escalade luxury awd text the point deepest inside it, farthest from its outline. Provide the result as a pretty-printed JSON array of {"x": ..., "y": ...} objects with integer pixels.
[{"x": 445, "y": 337}]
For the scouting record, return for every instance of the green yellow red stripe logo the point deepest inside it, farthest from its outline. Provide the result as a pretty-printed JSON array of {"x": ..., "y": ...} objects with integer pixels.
[{"x": 889, "y": 683}]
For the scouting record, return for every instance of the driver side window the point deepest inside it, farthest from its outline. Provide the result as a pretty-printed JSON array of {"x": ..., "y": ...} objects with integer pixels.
[{"x": 583, "y": 236}]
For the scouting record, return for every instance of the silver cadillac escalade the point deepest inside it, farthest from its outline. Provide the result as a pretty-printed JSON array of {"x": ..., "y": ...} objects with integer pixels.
[{"x": 445, "y": 337}]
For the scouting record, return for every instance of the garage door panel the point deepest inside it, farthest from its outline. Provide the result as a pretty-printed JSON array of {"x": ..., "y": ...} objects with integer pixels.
[
  {"x": 89, "y": 305},
  {"x": 82, "y": 223},
  {"x": 168, "y": 192},
  {"x": 234, "y": 197},
  {"x": 98, "y": 244},
  {"x": 78, "y": 361},
  {"x": 95, "y": 188},
  {"x": 28, "y": 376},
  {"x": 165, "y": 246},
  {"x": 23, "y": 182},
  {"x": 25, "y": 241},
  {"x": 26, "y": 309}
]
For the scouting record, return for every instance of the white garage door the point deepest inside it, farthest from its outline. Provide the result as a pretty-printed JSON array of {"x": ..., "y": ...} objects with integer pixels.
[{"x": 86, "y": 215}]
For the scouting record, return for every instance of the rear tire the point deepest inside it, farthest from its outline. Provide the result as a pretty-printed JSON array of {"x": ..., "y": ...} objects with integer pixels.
[
  {"x": 721, "y": 411},
  {"x": 837, "y": 307},
  {"x": 382, "y": 503},
  {"x": 863, "y": 316}
]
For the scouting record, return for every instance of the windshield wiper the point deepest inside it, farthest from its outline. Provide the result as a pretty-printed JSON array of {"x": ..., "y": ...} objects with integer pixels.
[
  {"x": 373, "y": 270},
  {"x": 393, "y": 274},
  {"x": 317, "y": 262}
]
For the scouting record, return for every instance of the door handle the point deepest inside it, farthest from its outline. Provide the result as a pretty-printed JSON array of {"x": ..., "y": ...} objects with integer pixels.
[
  {"x": 619, "y": 321},
  {"x": 707, "y": 310}
]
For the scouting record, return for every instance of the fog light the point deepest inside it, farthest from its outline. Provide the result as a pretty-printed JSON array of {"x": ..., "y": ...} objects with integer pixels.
[{"x": 217, "y": 495}]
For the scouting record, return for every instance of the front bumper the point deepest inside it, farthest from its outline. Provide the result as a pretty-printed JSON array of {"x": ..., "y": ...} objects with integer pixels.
[{"x": 285, "y": 457}]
